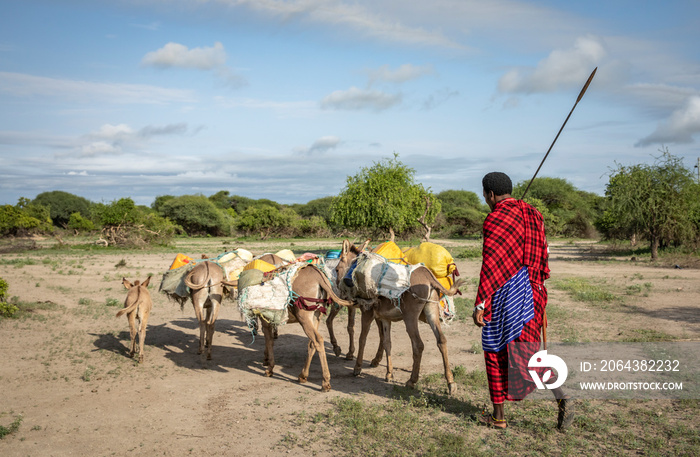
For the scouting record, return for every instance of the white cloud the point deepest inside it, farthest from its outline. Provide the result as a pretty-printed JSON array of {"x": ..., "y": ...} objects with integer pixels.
[
  {"x": 115, "y": 139},
  {"x": 110, "y": 131},
  {"x": 360, "y": 99},
  {"x": 23, "y": 85},
  {"x": 320, "y": 146},
  {"x": 354, "y": 16},
  {"x": 403, "y": 73},
  {"x": 175, "y": 55},
  {"x": 563, "y": 68},
  {"x": 99, "y": 148},
  {"x": 178, "y": 55},
  {"x": 680, "y": 128}
]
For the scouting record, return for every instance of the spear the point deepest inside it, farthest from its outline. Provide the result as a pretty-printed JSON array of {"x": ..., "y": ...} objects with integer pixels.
[{"x": 580, "y": 96}]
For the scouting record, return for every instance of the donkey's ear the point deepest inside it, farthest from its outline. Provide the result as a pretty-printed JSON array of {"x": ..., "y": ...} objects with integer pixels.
[
  {"x": 126, "y": 283},
  {"x": 346, "y": 247},
  {"x": 145, "y": 283},
  {"x": 364, "y": 246}
]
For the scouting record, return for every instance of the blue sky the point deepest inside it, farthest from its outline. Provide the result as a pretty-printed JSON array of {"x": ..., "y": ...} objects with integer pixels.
[{"x": 285, "y": 99}]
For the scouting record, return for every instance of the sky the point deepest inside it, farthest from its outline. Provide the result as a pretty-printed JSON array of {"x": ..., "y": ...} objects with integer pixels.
[{"x": 286, "y": 99}]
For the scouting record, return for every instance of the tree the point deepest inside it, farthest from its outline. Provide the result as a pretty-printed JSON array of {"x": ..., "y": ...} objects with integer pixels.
[
  {"x": 197, "y": 215},
  {"x": 384, "y": 198},
  {"x": 13, "y": 221},
  {"x": 119, "y": 212},
  {"x": 654, "y": 201},
  {"x": 221, "y": 199},
  {"x": 160, "y": 201},
  {"x": 463, "y": 212},
  {"x": 125, "y": 224},
  {"x": 319, "y": 207},
  {"x": 261, "y": 219},
  {"x": 574, "y": 211},
  {"x": 62, "y": 204}
]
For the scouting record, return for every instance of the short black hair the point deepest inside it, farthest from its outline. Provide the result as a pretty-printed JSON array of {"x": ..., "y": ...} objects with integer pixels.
[{"x": 497, "y": 182}]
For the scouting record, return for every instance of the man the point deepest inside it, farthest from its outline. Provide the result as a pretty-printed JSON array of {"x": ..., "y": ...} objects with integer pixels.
[{"x": 511, "y": 299}]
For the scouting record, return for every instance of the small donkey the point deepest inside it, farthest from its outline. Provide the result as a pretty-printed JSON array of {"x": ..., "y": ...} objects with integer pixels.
[{"x": 137, "y": 305}]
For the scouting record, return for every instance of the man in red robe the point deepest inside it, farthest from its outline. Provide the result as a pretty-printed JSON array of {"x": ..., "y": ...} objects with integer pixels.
[{"x": 511, "y": 311}]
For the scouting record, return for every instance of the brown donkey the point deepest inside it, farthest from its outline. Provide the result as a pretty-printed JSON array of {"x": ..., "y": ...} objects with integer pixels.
[
  {"x": 312, "y": 287},
  {"x": 206, "y": 281},
  {"x": 419, "y": 302},
  {"x": 351, "y": 319},
  {"x": 137, "y": 306}
]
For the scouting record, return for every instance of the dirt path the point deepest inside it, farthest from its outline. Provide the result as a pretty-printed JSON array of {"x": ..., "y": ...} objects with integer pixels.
[{"x": 65, "y": 369}]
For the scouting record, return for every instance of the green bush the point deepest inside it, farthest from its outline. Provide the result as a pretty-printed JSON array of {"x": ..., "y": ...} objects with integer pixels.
[
  {"x": 6, "y": 309},
  {"x": 18, "y": 220},
  {"x": 197, "y": 215},
  {"x": 263, "y": 220},
  {"x": 118, "y": 212},
  {"x": 62, "y": 204},
  {"x": 125, "y": 224},
  {"x": 80, "y": 224}
]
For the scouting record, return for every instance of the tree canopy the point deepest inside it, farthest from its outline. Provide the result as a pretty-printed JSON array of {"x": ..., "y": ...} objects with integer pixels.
[
  {"x": 62, "y": 204},
  {"x": 572, "y": 212},
  {"x": 384, "y": 198},
  {"x": 197, "y": 215},
  {"x": 657, "y": 202}
]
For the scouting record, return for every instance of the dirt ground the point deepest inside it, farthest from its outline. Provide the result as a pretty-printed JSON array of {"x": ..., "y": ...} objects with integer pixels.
[{"x": 66, "y": 369}]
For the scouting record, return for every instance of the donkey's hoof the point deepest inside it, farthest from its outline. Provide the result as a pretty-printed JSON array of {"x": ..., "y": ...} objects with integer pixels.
[
  {"x": 268, "y": 373},
  {"x": 452, "y": 388},
  {"x": 389, "y": 377},
  {"x": 357, "y": 371},
  {"x": 349, "y": 356},
  {"x": 410, "y": 384},
  {"x": 326, "y": 387},
  {"x": 302, "y": 379},
  {"x": 375, "y": 363},
  {"x": 337, "y": 351}
]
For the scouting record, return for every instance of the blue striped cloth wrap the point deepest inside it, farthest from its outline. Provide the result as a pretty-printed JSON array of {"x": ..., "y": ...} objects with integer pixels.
[{"x": 511, "y": 308}]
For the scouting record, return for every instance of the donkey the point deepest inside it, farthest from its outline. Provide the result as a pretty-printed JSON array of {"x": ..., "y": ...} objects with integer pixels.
[
  {"x": 206, "y": 281},
  {"x": 137, "y": 306},
  {"x": 310, "y": 285},
  {"x": 351, "y": 321},
  {"x": 419, "y": 302}
]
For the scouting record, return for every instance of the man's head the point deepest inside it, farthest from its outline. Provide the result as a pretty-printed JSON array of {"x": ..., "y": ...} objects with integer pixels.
[{"x": 497, "y": 186}]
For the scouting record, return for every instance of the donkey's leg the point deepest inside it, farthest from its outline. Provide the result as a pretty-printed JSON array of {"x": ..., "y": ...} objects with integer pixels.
[
  {"x": 133, "y": 329},
  {"x": 315, "y": 345},
  {"x": 367, "y": 316},
  {"x": 212, "y": 315},
  {"x": 411, "y": 321},
  {"x": 351, "y": 333},
  {"x": 432, "y": 316},
  {"x": 198, "y": 300},
  {"x": 142, "y": 336},
  {"x": 380, "y": 348},
  {"x": 386, "y": 331},
  {"x": 332, "y": 313},
  {"x": 269, "y": 360}
]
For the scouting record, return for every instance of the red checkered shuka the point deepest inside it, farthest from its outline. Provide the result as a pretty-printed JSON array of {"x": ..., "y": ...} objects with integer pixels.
[
  {"x": 507, "y": 371},
  {"x": 513, "y": 236}
]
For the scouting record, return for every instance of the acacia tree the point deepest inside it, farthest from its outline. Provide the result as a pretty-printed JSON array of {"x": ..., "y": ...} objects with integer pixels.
[
  {"x": 384, "y": 198},
  {"x": 573, "y": 210},
  {"x": 653, "y": 201}
]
